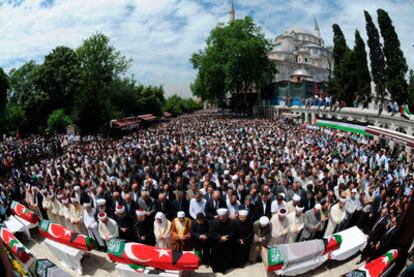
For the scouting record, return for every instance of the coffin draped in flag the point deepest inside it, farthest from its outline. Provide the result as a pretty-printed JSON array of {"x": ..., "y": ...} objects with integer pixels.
[
  {"x": 63, "y": 235},
  {"x": 16, "y": 247},
  {"x": 376, "y": 267},
  {"x": 140, "y": 254},
  {"x": 21, "y": 211}
]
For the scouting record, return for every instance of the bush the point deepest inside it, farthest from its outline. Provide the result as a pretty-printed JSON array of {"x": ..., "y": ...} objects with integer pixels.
[{"x": 58, "y": 121}]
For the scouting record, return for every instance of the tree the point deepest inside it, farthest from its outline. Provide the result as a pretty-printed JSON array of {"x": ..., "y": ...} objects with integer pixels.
[
  {"x": 59, "y": 77},
  {"x": 362, "y": 71},
  {"x": 349, "y": 78},
  {"x": 376, "y": 56},
  {"x": 174, "y": 105},
  {"x": 234, "y": 61},
  {"x": 340, "y": 51},
  {"x": 4, "y": 86},
  {"x": 411, "y": 88},
  {"x": 58, "y": 121},
  {"x": 100, "y": 64},
  {"x": 396, "y": 65}
]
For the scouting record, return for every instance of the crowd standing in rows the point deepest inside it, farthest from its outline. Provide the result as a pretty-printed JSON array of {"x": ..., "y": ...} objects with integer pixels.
[{"x": 221, "y": 186}]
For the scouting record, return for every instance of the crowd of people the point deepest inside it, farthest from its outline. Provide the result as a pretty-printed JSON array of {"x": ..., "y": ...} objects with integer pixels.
[{"x": 221, "y": 186}]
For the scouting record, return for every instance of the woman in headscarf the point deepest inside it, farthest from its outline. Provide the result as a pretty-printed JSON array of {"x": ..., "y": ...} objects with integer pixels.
[{"x": 162, "y": 231}]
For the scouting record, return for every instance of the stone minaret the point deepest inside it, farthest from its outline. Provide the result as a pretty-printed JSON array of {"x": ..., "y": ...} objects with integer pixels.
[
  {"x": 317, "y": 31},
  {"x": 232, "y": 12}
]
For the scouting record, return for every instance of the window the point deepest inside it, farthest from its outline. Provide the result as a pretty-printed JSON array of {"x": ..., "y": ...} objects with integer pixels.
[{"x": 306, "y": 60}]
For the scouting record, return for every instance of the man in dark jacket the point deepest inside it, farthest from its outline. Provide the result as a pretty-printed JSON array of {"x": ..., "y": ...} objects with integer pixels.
[
  {"x": 242, "y": 239},
  {"x": 144, "y": 229},
  {"x": 213, "y": 204},
  {"x": 199, "y": 231},
  {"x": 125, "y": 223}
]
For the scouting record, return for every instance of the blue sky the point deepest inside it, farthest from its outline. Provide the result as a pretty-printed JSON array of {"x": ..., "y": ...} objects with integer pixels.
[{"x": 160, "y": 35}]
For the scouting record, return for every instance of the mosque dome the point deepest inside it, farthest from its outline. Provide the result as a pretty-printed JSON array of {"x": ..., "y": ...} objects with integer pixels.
[{"x": 301, "y": 72}]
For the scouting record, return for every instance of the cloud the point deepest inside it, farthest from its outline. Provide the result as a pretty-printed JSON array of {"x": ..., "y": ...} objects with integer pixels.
[{"x": 161, "y": 35}]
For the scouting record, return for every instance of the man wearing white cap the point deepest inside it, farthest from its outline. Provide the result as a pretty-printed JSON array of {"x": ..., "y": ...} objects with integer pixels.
[
  {"x": 162, "y": 231},
  {"x": 181, "y": 232},
  {"x": 107, "y": 227},
  {"x": 221, "y": 235},
  {"x": 295, "y": 219},
  {"x": 90, "y": 223},
  {"x": 262, "y": 233},
  {"x": 124, "y": 222},
  {"x": 291, "y": 205},
  {"x": 337, "y": 215},
  {"x": 312, "y": 222},
  {"x": 242, "y": 239},
  {"x": 144, "y": 228},
  {"x": 280, "y": 227},
  {"x": 75, "y": 216}
]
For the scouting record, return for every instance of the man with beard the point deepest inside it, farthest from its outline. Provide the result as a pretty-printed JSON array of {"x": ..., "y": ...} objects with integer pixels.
[
  {"x": 295, "y": 219},
  {"x": 262, "y": 233},
  {"x": 280, "y": 227},
  {"x": 221, "y": 235},
  {"x": 91, "y": 224},
  {"x": 181, "y": 232},
  {"x": 124, "y": 222},
  {"x": 200, "y": 230},
  {"x": 242, "y": 239},
  {"x": 144, "y": 229},
  {"x": 107, "y": 227}
]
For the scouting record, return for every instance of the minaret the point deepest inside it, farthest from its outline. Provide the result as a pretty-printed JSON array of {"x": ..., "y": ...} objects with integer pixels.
[
  {"x": 317, "y": 31},
  {"x": 232, "y": 12}
]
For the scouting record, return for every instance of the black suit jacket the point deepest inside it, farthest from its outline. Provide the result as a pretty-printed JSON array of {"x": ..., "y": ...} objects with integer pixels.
[
  {"x": 210, "y": 210},
  {"x": 131, "y": 208},
  {"x": 259, "y": 209},
  {"x": 377, "y": 231},
  {"x": 168, "y": 209},
  {"x": 182, "y": 205},
  {"x": 253, "y": 214}
]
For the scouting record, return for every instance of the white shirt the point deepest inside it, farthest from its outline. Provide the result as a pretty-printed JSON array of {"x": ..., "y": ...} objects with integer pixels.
[
  {"x": 197, "y": 207},
  {"x": 276, "y": 206}
]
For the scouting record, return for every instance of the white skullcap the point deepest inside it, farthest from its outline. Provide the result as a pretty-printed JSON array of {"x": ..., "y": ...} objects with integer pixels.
[
  {"x": 74, "y": 199},
  {"x": 264, "y": 220},
  {"x": 318, "y": 206},
  {"x": 119, "y": 209},
  {"x": 76, "y": 188},
  {"x": 222, "y": 211},
  {"x": 140, "y": 212},
  {"x": 342, "y": 200},
  {"x": 226, "y": 172},
  {"x": 87, "y": 205},
  {"x": 181, "y": 214},
  {"x": 354, "y": 190},
  {"x": 282, "y": 194},
  {"x": 101, "y": 202},
  {"x": 299, "y": 209},
  {"x": 282, "y": 212},
  {"x": 243, "y": 212},
  {"x": 102, "y": 216},
  {"x": 234, "y": 177},
  {"x": 159, "y": 215},
  {"x": 296, "y": 198}
]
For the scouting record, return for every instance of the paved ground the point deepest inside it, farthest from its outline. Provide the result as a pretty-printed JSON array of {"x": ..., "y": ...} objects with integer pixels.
[{"x": 97, "y": 264}]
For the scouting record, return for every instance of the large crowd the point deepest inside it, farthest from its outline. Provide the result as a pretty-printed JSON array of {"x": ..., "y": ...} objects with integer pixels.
[{"x": 223, "y": 187}]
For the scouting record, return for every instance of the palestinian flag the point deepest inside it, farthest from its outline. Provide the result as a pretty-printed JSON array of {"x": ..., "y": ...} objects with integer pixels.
[
  {"x": 18, "y": 249},
  {"x": 405, "y": 111},
  {"x": 65, "y": 236},
  {"x": 376, "y": 267},
  {"x": 145, "y": 255},
  {"x": 273, "y": 258},
  {"x": 332, "y": 243},
  {"x": 347, "y": 126},
  {"x": 24, "y": 213}
]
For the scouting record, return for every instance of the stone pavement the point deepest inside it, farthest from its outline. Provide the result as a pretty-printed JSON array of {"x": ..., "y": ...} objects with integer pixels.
[{"x": 96, "y": 263}]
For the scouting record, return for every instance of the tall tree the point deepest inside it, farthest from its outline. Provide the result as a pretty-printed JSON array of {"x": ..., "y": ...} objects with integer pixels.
[
  {"x": 4, "y": 86},
  {"x": 376, "y": 56},
  {"x": 396, "y": 65},
  {"x": 411, "y": 89},
  {"x": 100, "y": 64},
  {"x": 59, "y": 77},
  {"x": 234, "y": 61},
  {"x": 362, "y": 71},
  {"x": 340, "y": 51}
]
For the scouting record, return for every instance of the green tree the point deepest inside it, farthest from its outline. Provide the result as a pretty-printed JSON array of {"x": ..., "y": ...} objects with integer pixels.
[
  {"x": 376, "y": 56},
  {"x": 362, "y": 71},
  {"x": 340, "y": 51},
  {"x": 100, "y": 65},
  {"x": 173, "y": 104},
  {"x": 235, "y": 60},
  {"x": 396, "y": 65},
  {"x": 4, "y": 86},
  {"x": 58, "y": 121},
  {"x": 59, "y": 77},
  {"x": 411, "y": 88},
  {"x": 15, "y": 117}
]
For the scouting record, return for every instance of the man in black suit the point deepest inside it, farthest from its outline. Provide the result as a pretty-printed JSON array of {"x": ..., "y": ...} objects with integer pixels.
[
  {"x": 216, "y": 202},
  {"x": 252, "y": 215},
  {"x": 376, "y": 233},
  {"x": 263, "y": 206},
  {"x": 162, "y": 204},
  {"x": 181, "y": 204},
  {"x": 384, "y": 242},
  {"x": 130, "y": 206},
  {"x": 309, "y": 201}
]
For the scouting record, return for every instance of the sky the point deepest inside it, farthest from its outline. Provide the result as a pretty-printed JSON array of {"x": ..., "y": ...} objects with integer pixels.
[{"x": 160, "y": 35}]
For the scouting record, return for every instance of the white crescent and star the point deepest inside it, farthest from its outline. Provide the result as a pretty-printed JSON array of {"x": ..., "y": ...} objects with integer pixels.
[
  {"x": 67, "y": 232},
  {"x": 130, "y": 253},
  {"x": 51, "y": 231},
  {"x": 162, "y": 252}
]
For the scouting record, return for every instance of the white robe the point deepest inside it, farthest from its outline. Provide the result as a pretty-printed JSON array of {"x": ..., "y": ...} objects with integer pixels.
[
  {"x": 280, "y": 230},
  {"x": 336, "y": 216},
  {"x": 295, "y": 226},
  {"x": 92, "y": 226},
  {"x": 108, "y": 230}
]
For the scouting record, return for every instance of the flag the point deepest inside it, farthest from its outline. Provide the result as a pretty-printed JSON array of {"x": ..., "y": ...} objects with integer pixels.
[
  {"x": 405, "y": 111},
  {"x": 21, "y": 211},
  {"x": 315, "y": 88},
  {"x": 376, "y": 267},
  {"x": 332, "y": 243}
]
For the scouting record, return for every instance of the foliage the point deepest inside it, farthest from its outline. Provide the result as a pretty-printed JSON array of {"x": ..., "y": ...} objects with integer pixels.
[
  {"x": 177, "y": 105},
  {"x": 362, "y": 75},
  {"x": 376, "y": 57},
  {"x": 411, "y": 88},
  {"x": 235, "y": 60},
  {"x": 396, "y": 65},
  {"x": 15, "y": 117},
  {"x": 58, "y": 121},
  {"x": 4, "y": 86}
]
